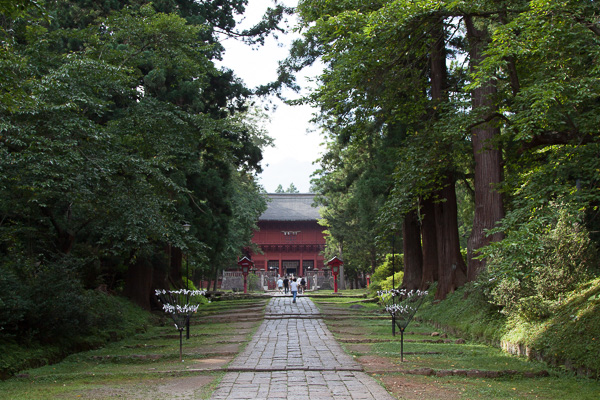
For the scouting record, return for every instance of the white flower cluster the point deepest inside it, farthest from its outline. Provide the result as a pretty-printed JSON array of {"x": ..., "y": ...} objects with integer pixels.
[
  {"x": 402, "y": 293},
  {"x": 172, "y": 309},
  {"x": 170, "y": 298},
  {"x": 158, "y": 292},
  {"x": 395, "y": 309}
]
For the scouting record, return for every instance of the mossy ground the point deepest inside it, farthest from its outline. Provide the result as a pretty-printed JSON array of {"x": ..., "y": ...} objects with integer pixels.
[{"x": 569, "y": 338}]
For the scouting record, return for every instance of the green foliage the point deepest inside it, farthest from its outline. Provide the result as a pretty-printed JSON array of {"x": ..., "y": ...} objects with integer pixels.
[
  {"x": 106, "y": 318},
  {"x": 62, "y": 305},
  {"x": 14, "y": 303},
  {"x": 389, "y": 144},
  {"x": 535, "y": 308},
  {"x": 539, "y": 260},
  {"x": 474, "y": 318},
  {"x": 254, "y": 283},
  {"x": 392, "y": 263},
  {"x": 390, "y": 282},
  {"x": 577, "y": 316},
  {"x": 468, "y": 312},
  {"x": 54, "y": 307},
  {"x": 292, "y": 189},
  {"x": 115, "y": 128},
  {"x": 381, "y": 279},
  {"x": 187, "y": 283},
  {"x": 377, "y": 96}
]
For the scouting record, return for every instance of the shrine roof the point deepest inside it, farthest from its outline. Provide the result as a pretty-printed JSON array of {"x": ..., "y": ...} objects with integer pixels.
[{"x": 290, "y": 207}]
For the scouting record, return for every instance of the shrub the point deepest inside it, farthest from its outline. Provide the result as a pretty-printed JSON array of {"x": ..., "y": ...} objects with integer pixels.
[
  {"x": 52, "y": 306},
  {"x": 390, "y": 281},
  {"x": 384, "y": 271},
  {"x": 14, "y": 302},
  {"x": 535, "y": 308},
  {"x": 254, "y": 283},
  {"x": 539, "y": 261},
  {"x": 188, "y": 284},
  {"x": 61, "y": 305}
]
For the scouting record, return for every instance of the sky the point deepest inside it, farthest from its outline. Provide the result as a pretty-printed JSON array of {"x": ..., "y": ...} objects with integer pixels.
[{"x": 297, "y": 141}]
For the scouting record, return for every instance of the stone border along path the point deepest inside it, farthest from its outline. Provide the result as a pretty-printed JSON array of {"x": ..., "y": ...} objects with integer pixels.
[{"x": 294, "y": 356}]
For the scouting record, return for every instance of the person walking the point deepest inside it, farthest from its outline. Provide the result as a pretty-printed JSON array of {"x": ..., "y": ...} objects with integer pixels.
[
  {"x": 294, "y": 287},
  {"x": 280, "y": 285},
  {"x": 286, "y": 284},
  {"x": 302, "y": 284}
]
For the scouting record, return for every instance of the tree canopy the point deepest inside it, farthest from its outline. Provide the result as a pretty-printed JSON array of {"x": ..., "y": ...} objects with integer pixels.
[
  {"x": 453, "y": 120},
  {"x": 116, "y": 130}
]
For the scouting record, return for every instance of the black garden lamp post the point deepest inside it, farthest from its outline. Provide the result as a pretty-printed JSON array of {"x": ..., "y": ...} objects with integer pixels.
[
  {"x": 403, "y": 310},
  {"x": 245, "y": 263},
  {"x": 177, "y": 303},
  {"x": 335, "y": 264},
  {"x": 186, "y": 228},
  {"x": 394, "y": 275}
]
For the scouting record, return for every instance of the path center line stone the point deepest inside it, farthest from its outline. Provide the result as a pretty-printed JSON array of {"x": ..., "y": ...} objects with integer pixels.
[{"x": 294, "y": 356}]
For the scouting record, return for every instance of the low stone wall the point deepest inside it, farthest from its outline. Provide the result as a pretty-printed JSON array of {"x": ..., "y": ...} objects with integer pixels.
[
  {"x": 235, "y": 281},
  {"x": 324, "y": 282},
  {"x": 232, "y": 281}
]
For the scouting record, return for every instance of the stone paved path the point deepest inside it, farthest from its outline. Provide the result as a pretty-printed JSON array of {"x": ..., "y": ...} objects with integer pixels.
[{"x": 294, "y": 356}]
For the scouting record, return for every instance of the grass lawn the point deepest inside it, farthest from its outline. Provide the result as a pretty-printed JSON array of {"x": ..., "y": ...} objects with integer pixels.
[
  {"x": 365, "y": 331},
  {"x": 147, "y": 365}
]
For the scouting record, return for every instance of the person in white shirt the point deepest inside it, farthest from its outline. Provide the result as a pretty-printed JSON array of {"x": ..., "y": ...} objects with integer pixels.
[
  {"x": 280, "y": 285},
  {"x": 294, "y": 288}
]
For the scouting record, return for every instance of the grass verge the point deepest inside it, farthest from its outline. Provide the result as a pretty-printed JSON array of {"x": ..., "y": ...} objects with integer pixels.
[
  {"x": 120, "y": 319},
  {"x": 146, "y": 365},
  {"x": 568, "y": 339},
  {"x": 366, "y": 333}
]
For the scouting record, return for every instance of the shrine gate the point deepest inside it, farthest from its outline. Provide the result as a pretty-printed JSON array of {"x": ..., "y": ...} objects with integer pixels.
[{"x": 289, "y": 236}]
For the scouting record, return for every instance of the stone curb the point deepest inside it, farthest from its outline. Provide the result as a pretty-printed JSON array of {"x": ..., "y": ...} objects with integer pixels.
[
  {"x": 271, "y": 318},
  {"x": 470, "y": 373},
  {"x": 292, "y": 368},
  {"x": 367, "y": 341}
]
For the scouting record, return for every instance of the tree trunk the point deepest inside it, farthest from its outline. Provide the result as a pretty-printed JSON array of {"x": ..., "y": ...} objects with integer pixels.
[
  {"x": 160, "y": 272},
  {"x": 413, "y": 257},
  {"x": 175, "y": 267},
  {"x": 441, "y": 229},
  {"x": 138, "y": 284},
  {"x": 215, "y": 276},
  {"x": 452, "y": 271},
  {"x": 430, "y": 246},
  {"x": 438, "y": 71},
  {"x": 489, "y": 207},
  {"x": 373, "y": 259}
]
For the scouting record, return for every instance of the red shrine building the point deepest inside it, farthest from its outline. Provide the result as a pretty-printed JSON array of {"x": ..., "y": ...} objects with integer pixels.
[{"x": 289, "y": 236}]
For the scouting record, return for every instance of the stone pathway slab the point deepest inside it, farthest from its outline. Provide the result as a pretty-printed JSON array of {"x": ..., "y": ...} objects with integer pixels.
[{"x": 294, "y": 356}]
